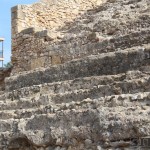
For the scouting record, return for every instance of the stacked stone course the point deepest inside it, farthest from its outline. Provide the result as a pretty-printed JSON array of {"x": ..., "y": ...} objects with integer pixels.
[{"x": 80, "y": 78}]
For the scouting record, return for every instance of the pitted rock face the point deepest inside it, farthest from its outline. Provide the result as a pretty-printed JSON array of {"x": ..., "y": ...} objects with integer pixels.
[{"x": 81, "y": 76}]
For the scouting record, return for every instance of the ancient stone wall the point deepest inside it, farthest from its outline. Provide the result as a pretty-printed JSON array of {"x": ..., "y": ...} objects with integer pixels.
[
  {"x": 34, "y": 27},
  {"x": 48, "y": 14}
]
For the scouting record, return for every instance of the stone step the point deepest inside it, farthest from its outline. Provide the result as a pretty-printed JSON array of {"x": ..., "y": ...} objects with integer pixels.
[
  {"x": 28, "y": 112},
  {"x": 115, "y": 28},
  {"x": 24, "y": 103},
  {"x": 120, "y": 87},
  {"x": 105, "y": 22},
  {"x": 45, "y": 97},
  {"x": 95, "y": 65},
  {"x": 112, "y": 123},
  {"x": 71, "y": 85},
  {"x": 97, "y": 44},
  {"x": 141, "y": 99},
  {"x": 116, "y": 88}
]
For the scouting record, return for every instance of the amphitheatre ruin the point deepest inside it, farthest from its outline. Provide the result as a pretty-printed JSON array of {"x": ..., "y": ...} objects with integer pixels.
[{"x": 80, "y": 78}]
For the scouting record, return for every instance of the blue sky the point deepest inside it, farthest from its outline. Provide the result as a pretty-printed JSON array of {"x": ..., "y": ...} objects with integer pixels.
[{"x": 5, "y": 23}]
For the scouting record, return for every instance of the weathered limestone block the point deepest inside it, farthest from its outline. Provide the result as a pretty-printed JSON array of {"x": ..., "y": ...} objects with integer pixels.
[
  {"x": 37, "y": 63},
  {"x": 56, "y": 60}
]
